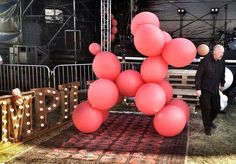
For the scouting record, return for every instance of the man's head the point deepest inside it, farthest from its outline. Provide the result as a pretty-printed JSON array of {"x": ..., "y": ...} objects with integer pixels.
[{"x": 218, "y": 52}]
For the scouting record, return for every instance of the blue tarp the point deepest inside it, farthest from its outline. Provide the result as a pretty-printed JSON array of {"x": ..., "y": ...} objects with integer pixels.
[
  {"x": 6, "y": 37},
  {"x": 8, "y": 21},
  {"x": 5, "y": 6}
]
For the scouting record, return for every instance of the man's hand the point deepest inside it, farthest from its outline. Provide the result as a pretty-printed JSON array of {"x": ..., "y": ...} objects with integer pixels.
[
  {"x": 198, "y": 93},
  {"x": 221, "y": 88}
]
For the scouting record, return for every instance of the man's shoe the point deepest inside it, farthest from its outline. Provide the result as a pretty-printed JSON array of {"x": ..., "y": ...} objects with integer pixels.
[
  {"x": 213, "y": 125},
  {"x": 208, "y": 132},
  {"x": 222, "y": 112}
]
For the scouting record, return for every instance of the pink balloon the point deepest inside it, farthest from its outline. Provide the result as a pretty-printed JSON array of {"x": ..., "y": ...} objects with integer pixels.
[
  {"x": 113, "y": 36},
  {"x": 94, "y": 48},
  {"x": 106, "y": 65},
  {"x": 182, "y": 105},
  {"x": 144, "y": 18},
  {"x": 103, "y": 94},
  {"x": 114, "y": 30},
  {"x": 86, "y": 118},
  {"x": 167, "y": 36},
  {"x": 105, "y": 115},
  {"x": 128, "y": 82},
  {"x": 154, "y": 69},
  {"x": 114, "y": 22},
  {"x": 170, "y": 121},
  {"x": 149, "y": 40},
  {"x": 150, "y": 98},
  {"x": 166, "y": 86},
  {"x": 179, "y": 52}
]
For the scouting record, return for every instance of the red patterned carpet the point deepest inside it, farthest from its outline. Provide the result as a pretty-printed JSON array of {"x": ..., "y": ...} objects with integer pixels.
[{"x": 123, "y": 138}]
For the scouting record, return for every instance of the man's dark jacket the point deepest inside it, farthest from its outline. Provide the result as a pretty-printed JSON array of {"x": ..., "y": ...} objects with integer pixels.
[{"x": 210, "y": 74}]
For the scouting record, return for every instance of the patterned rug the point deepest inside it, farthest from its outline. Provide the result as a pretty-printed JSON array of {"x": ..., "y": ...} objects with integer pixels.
[{"x": 123, "y": 138}]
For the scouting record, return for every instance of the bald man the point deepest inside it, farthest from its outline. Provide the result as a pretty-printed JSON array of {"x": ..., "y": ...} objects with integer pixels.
[{"x": 210, "y": 78}]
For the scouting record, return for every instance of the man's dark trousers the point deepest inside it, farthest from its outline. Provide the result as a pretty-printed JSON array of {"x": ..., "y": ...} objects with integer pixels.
[{"x": 210, "y": 106}]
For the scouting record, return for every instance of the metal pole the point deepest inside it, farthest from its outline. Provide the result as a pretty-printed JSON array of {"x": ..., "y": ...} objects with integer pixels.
[
  {"x": 214, "y": 28},
  {"x": 58, "y": 31},
  {"x": 225, "y": 26},
  {"x": 27, "y": 7},
  {"x": 20, "y": 21},
  {"x": 109, "y": 27},
  {"x": 181, "y": 25},
  {"x": 131, "y": 10},
  {"x": 101, "y": 23},
  {"x": 75, "y": 38}
]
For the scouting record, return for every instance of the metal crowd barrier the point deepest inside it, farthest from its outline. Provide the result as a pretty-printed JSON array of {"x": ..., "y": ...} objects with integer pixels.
[
  {"x": 26, "y": 77},
  {"x": 82, "y": 73},
  {"x": 130, "y": 65},
  {"x": 67, "y": 73}
]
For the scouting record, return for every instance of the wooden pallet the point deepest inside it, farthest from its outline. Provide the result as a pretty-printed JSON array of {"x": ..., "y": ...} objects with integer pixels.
[
  {"x": 183, "y": 83},
  {"x": 182, "y": 79}
]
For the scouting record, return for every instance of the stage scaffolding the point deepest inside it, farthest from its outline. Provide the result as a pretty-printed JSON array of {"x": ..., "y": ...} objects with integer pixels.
[{"x": 106, "y": 25}]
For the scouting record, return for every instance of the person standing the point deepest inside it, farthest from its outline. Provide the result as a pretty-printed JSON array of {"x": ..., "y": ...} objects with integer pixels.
[{"x": 210, "y": 78}]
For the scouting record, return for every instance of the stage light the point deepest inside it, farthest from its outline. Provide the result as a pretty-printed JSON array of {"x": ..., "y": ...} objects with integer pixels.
[
  {"x": 181, "y": 11},
  {"x": 214, "y": 10}
]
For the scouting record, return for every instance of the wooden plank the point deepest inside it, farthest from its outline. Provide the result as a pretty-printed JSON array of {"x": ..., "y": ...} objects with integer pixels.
[
  {"x": 182, "y": 72},
  {"x": 191, "y": 92},
  {"x": 180, "y": 80},
  {"x": 180, "y": 86}
]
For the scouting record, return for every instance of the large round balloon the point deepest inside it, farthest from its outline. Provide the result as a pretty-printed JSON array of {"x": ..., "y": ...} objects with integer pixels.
[
  {"x": 203, "y": 49},
  {"x": 94, "y": 48},
  {"x": 170, "y": 121},
  {"x": 106, "y": 65},
  {"x": 113, "y": 36},
  {"x": 128, "y": 82},
  {"x": 166, "y": 86},
  {"x": 229, "y": 78},
  {"x": 154, "y": 69},
  {"x": 114, "y": 30},
  {"x": 182, "y": 105},
  {"x": 167, "y": 36},
  {"x": 223, "y": 101},
  {"x": 150, "y": 98},
  {"x": 103, "y": 94},
  {"x": 149, "y": 40},
  {"x": 114, "y": 22},
  {"x": 179, "y": 52},
  {"x": 105, "y": 115},
  {"x": 86, "y": 118},
  {"x": 144, "y": 18},
  {"x": 120, "y": 98}
]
